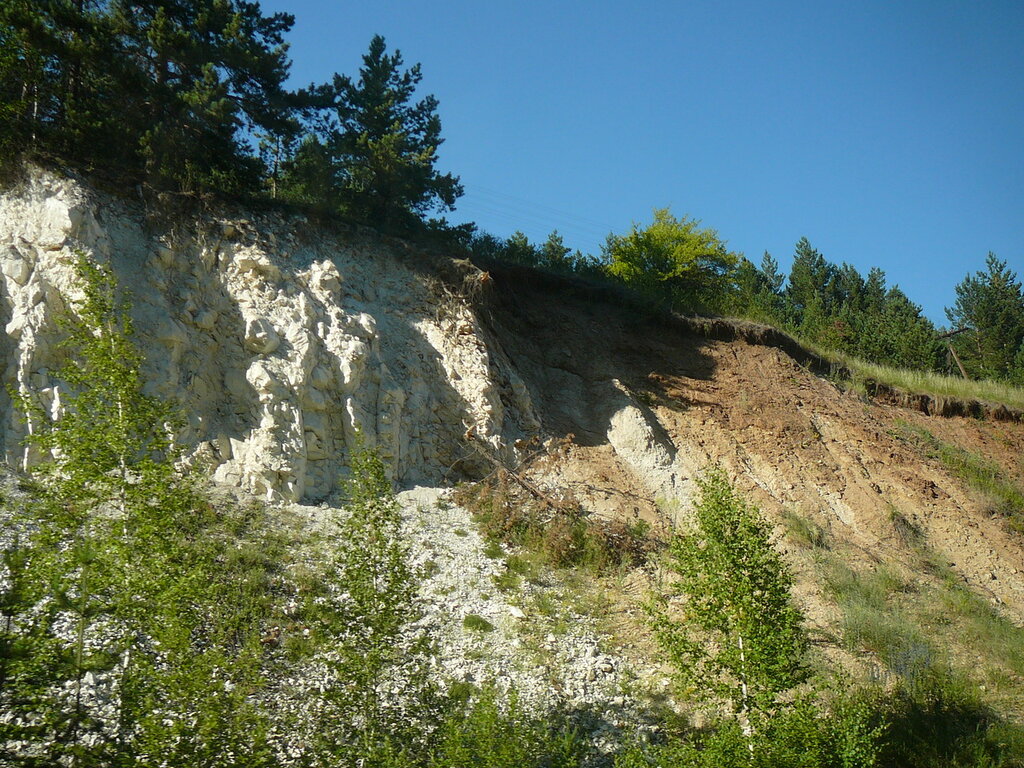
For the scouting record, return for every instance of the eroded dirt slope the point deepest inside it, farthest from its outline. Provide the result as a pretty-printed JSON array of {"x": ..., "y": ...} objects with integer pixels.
[{"x": 649, "y": 404}]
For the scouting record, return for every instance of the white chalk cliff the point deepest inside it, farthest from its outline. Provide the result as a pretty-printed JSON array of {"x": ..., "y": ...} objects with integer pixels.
[{"x": 278, "y": 339}]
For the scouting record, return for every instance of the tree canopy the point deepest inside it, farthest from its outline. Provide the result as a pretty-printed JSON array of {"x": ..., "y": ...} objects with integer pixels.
[
  {"x": 990, "y": 307},
  {"x": 189, "y": 96},
  {"x": 387, "y": 144},
  {"x": 674, "y": 261},
  {"x": 165, "y": 92}
]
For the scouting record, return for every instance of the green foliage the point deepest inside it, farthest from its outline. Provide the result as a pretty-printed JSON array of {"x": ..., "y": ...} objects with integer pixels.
[
  {"x": 355, "y": 617},
  {"x": 490, "y": 732},
  {"x": 174, "y": 94},
  {"x": 673, "y": 261},
  {"x": 477, "y": 623},
  {"x": 112, "y": 442},
  {"x": 836, "y": 308},
  {"x": 131, "y": 630},
  {"x": 738, "y": 634},
  {"x": 937, "y": 721},
  {"x": 804, "y": 736},
  {"x": 759, "y": 290},
  {"x": 373, "y": 157},
  {"x": 160, "y": 92},
  {"x": 552, "y": 255},
  {"x": 990, "y": 304}
]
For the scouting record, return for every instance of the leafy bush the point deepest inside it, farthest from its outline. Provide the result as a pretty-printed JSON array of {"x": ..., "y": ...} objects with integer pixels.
[
  {"x": 565, "y": 537},
  {"x": 737, "y": 634},
  {"x": 492, "y": 731},
  {"x": 132, "y": 630},
  {"x": 803, "y": 736}
]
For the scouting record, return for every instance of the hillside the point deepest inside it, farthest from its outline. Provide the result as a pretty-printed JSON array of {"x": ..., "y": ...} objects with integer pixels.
[
  {"x": 284, "y": 342},
  {"x": 651, "y": 402}
]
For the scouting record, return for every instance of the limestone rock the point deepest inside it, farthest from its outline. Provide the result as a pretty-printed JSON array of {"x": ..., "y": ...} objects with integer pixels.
[{"x": 282, "y": 344}]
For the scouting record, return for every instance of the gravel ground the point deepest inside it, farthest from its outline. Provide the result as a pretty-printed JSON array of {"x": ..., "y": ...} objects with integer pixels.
[{"x": 553, "y": 665}]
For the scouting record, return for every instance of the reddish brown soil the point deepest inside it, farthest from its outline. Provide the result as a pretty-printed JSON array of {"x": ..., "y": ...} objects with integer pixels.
[{"x": 791, "y": 439}]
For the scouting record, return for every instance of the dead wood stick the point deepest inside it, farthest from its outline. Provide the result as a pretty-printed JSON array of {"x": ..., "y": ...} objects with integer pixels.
[{"x": 530, "y": 487}]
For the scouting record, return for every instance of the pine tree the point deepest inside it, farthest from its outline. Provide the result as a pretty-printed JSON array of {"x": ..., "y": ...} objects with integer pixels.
[
  {"x": 991, "y": 304},
  {"x": 207, "y": 71},
  {"x": 167, "y": 90},
  {"x": 807, "y": 291},
  {"x": 385, "y": 145}
]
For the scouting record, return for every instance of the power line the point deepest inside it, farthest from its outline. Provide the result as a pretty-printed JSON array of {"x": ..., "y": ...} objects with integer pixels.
[
  {"x": 521, "y": 213},
  {"x": 520, "y": 202},
  {"x": 521, "y": 220}
]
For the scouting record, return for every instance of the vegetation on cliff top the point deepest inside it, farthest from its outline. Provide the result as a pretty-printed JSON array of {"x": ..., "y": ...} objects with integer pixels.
[{"x": 189, "y": 97}]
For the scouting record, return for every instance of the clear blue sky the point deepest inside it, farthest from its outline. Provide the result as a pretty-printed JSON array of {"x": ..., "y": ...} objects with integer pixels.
[{"x": 889, "y": 133}]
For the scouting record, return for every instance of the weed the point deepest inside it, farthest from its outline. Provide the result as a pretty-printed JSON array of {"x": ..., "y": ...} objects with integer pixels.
[
  {"x": 805, "y": 531},
  {"x": 563, "y": 537},
  {"x": 477, "y": 623},
  {"x": 1005, "y": 497},
  {"x": 508, "y": 581},
  {"x": 908, "y": 532},
  {"x": 494, "y": 550}
]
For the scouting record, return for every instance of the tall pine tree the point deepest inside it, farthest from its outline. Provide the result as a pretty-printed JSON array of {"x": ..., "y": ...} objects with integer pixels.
[
  {"x": 990, "y": 304},
  {"x": 385, "y": 146}
]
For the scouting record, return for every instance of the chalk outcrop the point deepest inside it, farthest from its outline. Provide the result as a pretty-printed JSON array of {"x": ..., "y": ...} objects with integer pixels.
[{"x": 280, "y": 341}]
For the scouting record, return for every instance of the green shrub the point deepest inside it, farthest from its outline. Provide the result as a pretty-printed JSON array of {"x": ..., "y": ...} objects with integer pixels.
[
  {"x": 737, "y": 635},
  {"x": 477, "y": 623},
  {"x": 493, "y": 731}
]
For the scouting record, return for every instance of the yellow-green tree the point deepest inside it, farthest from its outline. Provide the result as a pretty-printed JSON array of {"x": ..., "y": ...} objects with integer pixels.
[
  {"x": 738, "y": 636},
  {"x": 675, "y": 261}
]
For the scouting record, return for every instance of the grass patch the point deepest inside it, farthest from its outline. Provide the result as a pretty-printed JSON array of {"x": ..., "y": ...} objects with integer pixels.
[
  {"x": 923, "y": 382},
  {"x": 872, "y": 620},
  {"x": 981, "y": 626},
  {"x": 477, "y": 623},
  {"x": 1004, "y": 496},
  {"x": 494, "y": 550},
  {"x": 936, "y": 626},
  {"x": 804, "y": 531}
]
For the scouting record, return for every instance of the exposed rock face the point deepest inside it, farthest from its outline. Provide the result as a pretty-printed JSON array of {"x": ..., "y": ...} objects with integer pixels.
[{"x": 280, "y": 342}]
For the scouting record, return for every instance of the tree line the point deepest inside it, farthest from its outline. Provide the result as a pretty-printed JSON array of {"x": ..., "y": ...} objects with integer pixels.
[
  {"x": 188, "y": 97},
  {"x": 682, "y": 266}
]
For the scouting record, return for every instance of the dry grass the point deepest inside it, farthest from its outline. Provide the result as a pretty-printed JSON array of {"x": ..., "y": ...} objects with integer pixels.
[
  {"x": 1003, "y": 495},
  {"x": 566, "y": 537},
  {"x": 925, "y": 382}
]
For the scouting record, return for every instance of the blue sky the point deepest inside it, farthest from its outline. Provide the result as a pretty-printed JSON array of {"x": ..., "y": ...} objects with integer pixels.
[{"x": 888, "y": 133}]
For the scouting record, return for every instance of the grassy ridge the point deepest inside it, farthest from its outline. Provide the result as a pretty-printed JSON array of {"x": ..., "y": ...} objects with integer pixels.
[{"x": 924, "y": 382}]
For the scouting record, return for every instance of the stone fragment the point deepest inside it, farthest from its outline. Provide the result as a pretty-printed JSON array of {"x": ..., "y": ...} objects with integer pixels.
[
  {"x": 15, "y": 266},
  {"x": 260, "y": 336}
]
